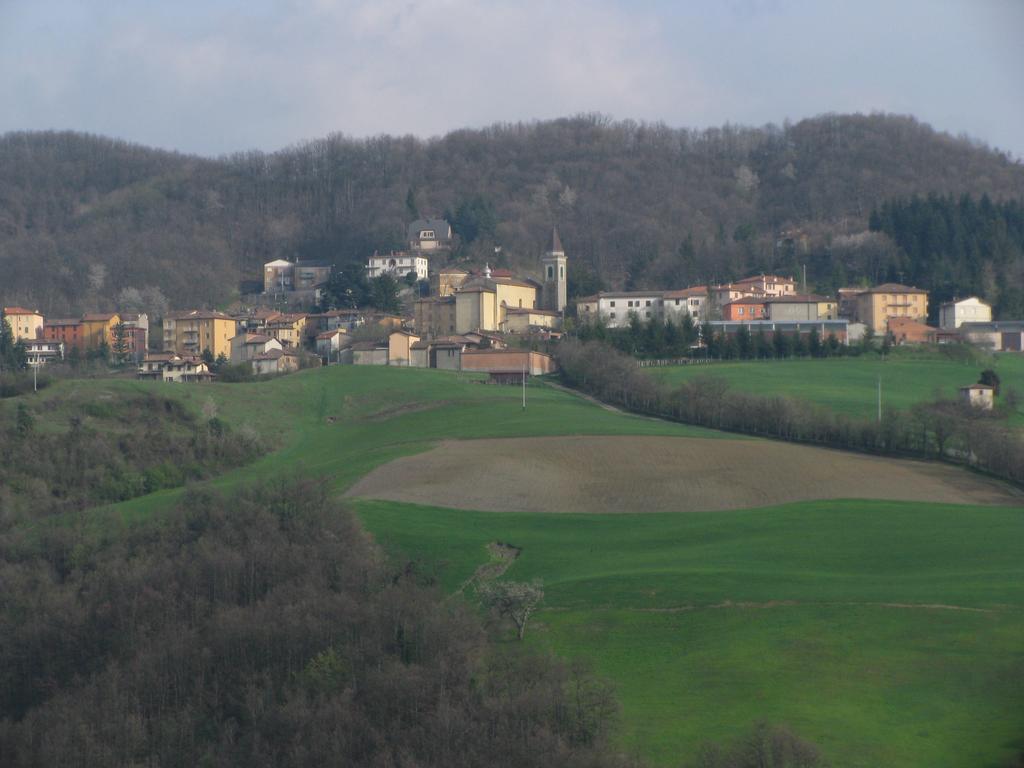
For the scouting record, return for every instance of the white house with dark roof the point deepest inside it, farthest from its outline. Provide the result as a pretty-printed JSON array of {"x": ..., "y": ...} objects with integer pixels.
[{"x": 430, "y": 234}]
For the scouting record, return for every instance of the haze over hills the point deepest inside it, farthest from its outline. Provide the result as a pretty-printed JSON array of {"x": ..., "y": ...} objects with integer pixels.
[{"x": 85, "y": 218}]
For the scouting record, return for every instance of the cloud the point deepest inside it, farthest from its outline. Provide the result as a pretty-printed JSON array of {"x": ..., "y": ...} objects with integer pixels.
[{"x": 215, "y": 77}]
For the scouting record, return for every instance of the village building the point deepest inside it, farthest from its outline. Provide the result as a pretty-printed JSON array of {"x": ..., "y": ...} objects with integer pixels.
[
  {"x": 481, "y": 302},
  {"x": 801, "y": 307},
  {"x": 369, "y": 353},
  {"x": 446, "y": 280},
  {"x": 771, "y": 286},
  {"x": 824, "y": 328},
  {"x": 275, "y": 361},
  {"x": 688, "y": 301},
  {"x": 25, "y": 323},
  {"x": 953, "y": 314},
  {"x": 744, "y": 309},
  {"x": 136, "y": 334},
  {"x": 246, "y": 346},
  {"x": 529, "y": 320},
  {"x": 67, "y": 330},
  {"x": 614, "y": 308},
  {"x": 978, "y": 396},
  {"x": 330, "y": 344},
  {"x": 98, "y": 329},
  {"x": 997, "y": 336},
  {"x": 172, "y": 367},
  {"x": 553, "y": 268},
  {"x": 435, "y": 316},
  {"x": 398, "y": 265},
  {"x": 904, "y": 330},
  {"x": 846, "y": 300},
  {"x": 876, "y": 305},
  {"x": 506, "y": 365},
  {"x": 289, "y": 329},
  {"x": 40, "y": 351},
  {"x": 346, "y": 320},
  {"x": 196, "y": 331},
  {"x": 400, "y": 347},
  {"x": 430, "y": 234},
  {"x": 302, "y": 277}
]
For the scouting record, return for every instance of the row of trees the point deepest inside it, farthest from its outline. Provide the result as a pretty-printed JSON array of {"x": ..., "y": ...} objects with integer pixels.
[
  {"x": 658, "y": 339},
  {"x": 944, "y": 430},
  {"x": 265, "y": 629}
]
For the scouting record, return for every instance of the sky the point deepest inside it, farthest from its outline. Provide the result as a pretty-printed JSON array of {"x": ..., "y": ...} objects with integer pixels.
[{"x": 218, "y": 76}]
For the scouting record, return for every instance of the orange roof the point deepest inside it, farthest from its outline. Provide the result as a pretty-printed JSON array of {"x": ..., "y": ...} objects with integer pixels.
[{"x": 21, "y": 311}]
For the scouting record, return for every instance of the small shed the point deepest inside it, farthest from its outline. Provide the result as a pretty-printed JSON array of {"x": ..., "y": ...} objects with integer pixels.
[{"x": 978, "y": 395}]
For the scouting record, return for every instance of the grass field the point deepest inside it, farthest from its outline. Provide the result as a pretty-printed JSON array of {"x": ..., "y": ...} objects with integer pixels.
[
  {"x": 811, "y": 614},
  {"x": 850, "y": 385}
]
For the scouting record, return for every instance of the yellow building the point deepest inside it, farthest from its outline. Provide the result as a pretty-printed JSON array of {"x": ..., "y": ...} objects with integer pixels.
[
  {"x": 194, "y": 332},
  {"x": 400, "y": 347},
  {"x": 288, "y": 329},
  {"x": 447, "y": 280},
  {"x": 480, "y": 303},
  {"x": 98, "y": 329},
  {"x": 876, "y": 305},
  {"x": 26, "y": 324}
]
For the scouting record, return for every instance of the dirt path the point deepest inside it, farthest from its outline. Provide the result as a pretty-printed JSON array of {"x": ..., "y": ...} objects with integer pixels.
[{"x": 661, "y": 474}]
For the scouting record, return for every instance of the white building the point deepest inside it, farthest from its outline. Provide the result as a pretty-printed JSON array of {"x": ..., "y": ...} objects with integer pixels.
[
  {"x": 398, "y": 264},
  {"x": 971, "y": 310},
  {"x": 43, "y": 351},
  {"x": 614, "y": 308},
  {"x": 430, "y": 235}
]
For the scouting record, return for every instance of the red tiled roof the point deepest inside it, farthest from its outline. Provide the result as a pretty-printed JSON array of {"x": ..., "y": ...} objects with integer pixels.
[{"x": 21, "y": 311}]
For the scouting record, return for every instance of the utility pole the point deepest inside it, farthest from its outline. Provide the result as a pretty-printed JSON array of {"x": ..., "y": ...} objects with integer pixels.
[
  {"x": 524, "y": 382},
  {"x": 879, "y": 398},
  {"x": 35, "y": 377}
]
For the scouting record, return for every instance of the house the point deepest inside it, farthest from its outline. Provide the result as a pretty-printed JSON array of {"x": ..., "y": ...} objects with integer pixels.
[
  {"x": 846, "y": 299},
  {"x": 526, "y": 320},
  {"x": 98, "y": 329},
  {"x": 400, "y": 347},
  {"x": 800, "y": 307},
  {"x": 689, "y": 301},
  {"x": 430, "y": 234},
  {"x": 435, "y": 316},
  {"x": 275, "y": 361},
  {"x": 771, "y": 286},
  {"x": 369, "y": 353},
  {"x": 876, "y": 305},
  {"x": 196, "y": 331},
  {"x": 66, "y": 330},
  {"x": 25, "y": 323},
  {"x": 978, "y": 396},
  {"x": 246, "y": 346},
  {"x": 445, "y": 281},
  {"x": 172, "y": 367},
  {"x": 998, "y": 336},
  {"x": 304, "y": 277},
  {"x": 335, "y": 319},
  {"x": 40, "y": 351},
  {"x": 136, "y": 334},
  {"x": 288, "y": 329},
  {"x": 330, "y": 343},
  {"x": 953, "y": 314},
  {"x": 744, "y": 309},
  {"x": 904, "y": 330},
  {"x": 508, "y": 362},
  {"x": 398, "y": 265},
  {"x": 614, "y": 308}
]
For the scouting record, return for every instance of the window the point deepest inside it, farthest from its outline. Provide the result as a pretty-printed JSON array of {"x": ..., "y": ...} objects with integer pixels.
[
  {"x": 611, "y": 315},
  {"x": 611, "y": 304},
  {"x": 648, "y": 302},
  {"x": 647, "y": 314},
  {"x": 561, "y": 273},
  {"x": 551, "y": 272},
  {"x": 677, "y": 302},
  {"x": 629, "y": 303},
  {"x": 739, "y": 311}
]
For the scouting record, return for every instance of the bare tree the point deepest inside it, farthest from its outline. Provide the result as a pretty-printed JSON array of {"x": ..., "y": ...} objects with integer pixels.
[{"x": 516, "y": 600}]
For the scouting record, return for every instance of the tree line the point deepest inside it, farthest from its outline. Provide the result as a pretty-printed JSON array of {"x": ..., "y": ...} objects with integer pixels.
[
  {"x": 942, "y": 430},
  {"x": 89, "y": 223}
]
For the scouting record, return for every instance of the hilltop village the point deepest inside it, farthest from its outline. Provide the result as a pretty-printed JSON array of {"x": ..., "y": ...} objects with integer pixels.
[{"x": 482, "y": 319}]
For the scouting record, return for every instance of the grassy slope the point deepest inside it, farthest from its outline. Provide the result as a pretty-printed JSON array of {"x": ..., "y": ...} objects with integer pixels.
[
  {"x": 849, "y": 385},
  {"x": 874, "y": 685},
  {"x": 646, "y": 597}
]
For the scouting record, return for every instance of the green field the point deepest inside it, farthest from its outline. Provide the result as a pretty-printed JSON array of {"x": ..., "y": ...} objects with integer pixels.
[
  {"x": 850, "y": 384},
  {"x": 823, "y": 616}
]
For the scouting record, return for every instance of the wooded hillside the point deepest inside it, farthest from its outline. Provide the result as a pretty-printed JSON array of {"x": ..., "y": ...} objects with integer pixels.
[{"x": 88, "y": 222}]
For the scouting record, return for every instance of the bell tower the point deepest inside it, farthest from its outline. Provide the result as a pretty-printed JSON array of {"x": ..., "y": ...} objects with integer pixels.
[{"x": 554, "y": 266}]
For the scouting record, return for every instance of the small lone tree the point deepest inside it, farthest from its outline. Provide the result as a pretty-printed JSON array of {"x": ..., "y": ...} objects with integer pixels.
[
  {"x": 991, "y": 379},
  {"x": 515, "y": 599},
  {"x": 120, "y": 345}
]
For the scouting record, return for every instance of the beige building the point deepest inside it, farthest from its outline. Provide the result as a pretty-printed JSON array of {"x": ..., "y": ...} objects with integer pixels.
[
  {"x": 979, "y": 396},
  {"x": 507, "y": 361},
  {"x": 275, "y": 361},
  {"x": 772, "y": 286},
  {"x": 400, "y": 347},
  {"x": 26, "y": 324},
  {"x": 98, "y": 329},
  {"x": 288, "y": 329},
  {"x": 481, "y": 303},
  {"x": 246, "y": 346},
  {"x": 688, "y": 301},
  {"x": 953, "y": 314},
  {"x": 876, "y": 305},
  {"x": 525, "y": 320},
  {"x": 446, "y": 280},
  {"x": 198, "y": 330}
]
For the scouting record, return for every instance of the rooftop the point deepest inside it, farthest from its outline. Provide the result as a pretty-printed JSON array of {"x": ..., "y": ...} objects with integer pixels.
[
  {"x": 894, "y": 288},
  {"x": 21, "y": 311}
]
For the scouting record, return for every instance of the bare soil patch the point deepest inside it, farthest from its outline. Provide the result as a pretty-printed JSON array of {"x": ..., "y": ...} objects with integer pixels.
[{"x": 661, "y": 474}]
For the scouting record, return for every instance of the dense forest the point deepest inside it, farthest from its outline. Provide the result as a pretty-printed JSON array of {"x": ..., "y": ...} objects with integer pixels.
[{"x": 89, "y": 222}]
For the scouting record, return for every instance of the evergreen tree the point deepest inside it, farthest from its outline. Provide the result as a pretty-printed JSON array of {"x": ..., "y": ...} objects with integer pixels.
[{"x": 120, "y": 346}]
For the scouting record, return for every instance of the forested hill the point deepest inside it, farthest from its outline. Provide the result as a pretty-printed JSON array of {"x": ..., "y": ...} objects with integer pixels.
[{"x": 89, "y": 222}]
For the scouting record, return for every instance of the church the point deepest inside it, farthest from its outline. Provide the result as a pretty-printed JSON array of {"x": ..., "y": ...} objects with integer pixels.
[{"x": 490, "y": 302}]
